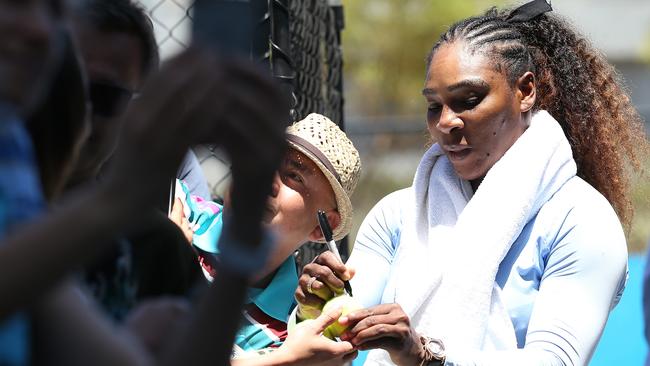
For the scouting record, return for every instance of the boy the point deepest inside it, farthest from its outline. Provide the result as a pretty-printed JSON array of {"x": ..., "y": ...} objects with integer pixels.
[{"x": 319, "y": 172}]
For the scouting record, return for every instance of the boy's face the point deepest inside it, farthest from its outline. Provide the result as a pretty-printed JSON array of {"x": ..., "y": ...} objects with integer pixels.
[
  {"x": 28, "y": 29},
  {"x": 300, "y": 189}
]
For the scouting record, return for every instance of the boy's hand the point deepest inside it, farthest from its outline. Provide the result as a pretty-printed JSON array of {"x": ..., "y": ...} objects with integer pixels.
[
  {"x": 177, "y": 216},
  {"x": 306, "y": 345},
  {"x": 321, "y": 280}
]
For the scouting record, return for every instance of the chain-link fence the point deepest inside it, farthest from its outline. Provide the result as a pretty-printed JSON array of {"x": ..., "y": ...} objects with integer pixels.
[
  {"x": 301, "y": 45},
  {"x": 315, "y": 45}
]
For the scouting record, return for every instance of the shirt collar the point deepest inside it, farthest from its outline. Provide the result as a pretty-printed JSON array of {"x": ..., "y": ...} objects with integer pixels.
[{"x": 276, "y": 300}]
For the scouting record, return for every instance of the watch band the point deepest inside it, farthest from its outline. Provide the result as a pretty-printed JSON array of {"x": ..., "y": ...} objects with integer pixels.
[{"x": 433, "y": 352}]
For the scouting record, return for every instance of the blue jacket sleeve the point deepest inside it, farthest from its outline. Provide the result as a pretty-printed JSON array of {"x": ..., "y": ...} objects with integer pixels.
[
  {"x": 375, "y": 247},
  {"x": 584, "y": 276}
]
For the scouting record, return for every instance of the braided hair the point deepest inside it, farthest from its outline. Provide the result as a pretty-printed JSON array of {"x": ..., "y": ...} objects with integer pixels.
[{"x": 575, "y": 84}]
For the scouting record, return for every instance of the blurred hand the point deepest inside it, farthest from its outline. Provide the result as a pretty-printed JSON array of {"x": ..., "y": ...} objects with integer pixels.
[
  {"x": 254, "y": 138},
  {"x": 324, "y": 277},
  {"x": 170, "y": 115},
  {"x": 384, "y": 326},
  {"x": 307, "y": 346},
  {"x": 155, "y": 322},
  {"x": 198, "y": 98}
]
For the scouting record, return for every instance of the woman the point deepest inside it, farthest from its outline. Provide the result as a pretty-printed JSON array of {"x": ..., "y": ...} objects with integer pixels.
[{"x": 507, "y": 249}]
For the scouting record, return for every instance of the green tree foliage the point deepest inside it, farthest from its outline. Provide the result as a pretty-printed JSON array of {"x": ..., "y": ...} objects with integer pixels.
[{"x": 385, "y": 44}]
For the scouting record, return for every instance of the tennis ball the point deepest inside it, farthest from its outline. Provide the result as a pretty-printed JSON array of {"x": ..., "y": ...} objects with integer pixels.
[{"x": 347, "y": 305}]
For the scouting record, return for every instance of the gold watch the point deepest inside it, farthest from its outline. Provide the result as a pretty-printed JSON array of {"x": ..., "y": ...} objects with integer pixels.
[{"x": 433, "y": 352}]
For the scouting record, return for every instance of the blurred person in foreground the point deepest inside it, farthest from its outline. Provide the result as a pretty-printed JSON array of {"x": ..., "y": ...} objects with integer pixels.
[
  {"x": 508, "y": 249},
  {"x": 119, "y": 52},
  {"x": 38, "y": 249},
  {"x": 319, "y": 171}
]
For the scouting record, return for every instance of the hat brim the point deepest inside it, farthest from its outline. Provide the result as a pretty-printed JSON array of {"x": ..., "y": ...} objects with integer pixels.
[{"x": 344, "y": 206}]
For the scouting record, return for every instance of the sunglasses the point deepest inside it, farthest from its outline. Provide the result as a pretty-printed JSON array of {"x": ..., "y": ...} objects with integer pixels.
[{"x": 109, "y": 100}]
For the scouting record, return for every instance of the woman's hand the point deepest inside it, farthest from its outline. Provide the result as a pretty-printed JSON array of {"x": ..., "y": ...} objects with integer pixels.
[
  {"x": 387, "y": 327},
  {"x": 321, "y": 280},
  {"x": 307, "y": 346}
]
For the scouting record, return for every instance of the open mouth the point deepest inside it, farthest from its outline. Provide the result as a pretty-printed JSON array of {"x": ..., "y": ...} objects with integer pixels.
[{"x": 457, "y": 152}]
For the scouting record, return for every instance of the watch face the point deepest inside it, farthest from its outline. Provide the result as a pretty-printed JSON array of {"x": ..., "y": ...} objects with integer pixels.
[{"x": 435, "y": 347}]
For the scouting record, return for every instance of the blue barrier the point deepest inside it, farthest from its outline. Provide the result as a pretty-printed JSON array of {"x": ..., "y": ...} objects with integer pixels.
[{"x": 623, "y": 342}]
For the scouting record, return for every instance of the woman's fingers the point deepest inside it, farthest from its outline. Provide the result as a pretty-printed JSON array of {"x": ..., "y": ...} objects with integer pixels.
[
  {"x": 377, "y": 344},
  {"x": 383, "y": 309},
  {"x": 304, "y": 297},
  {"x": 329, "y": 260},
  {"x": 378, "y": 321},
  {"x": 318, "y": 280},
  {"x": 376, "y": 332},
  {"x": 399, "y": 340},
  {"x": 313, "y": 298},
  {"x": 320, "y": 289},
  {"x": 384, "y": 326},
  {"x": 310, "y": 284}
]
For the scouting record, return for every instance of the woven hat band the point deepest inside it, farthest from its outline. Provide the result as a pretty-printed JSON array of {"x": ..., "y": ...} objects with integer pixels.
[{"x": 316, "y": 152}]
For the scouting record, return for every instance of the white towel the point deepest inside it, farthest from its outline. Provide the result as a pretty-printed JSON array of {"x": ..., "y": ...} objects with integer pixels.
[{"x": 450, "y": 248}]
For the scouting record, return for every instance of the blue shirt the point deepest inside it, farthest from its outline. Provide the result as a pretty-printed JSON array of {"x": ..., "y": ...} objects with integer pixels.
[
  {"x": 264, "y": 322},
  {"x": 561, "y": 277},
  {"x": 20, "y": 200},
  {"x": 264, "y": 317}
]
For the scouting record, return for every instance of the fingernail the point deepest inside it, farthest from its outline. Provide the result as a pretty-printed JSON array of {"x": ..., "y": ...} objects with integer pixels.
[{"x": 343, "y": 319}]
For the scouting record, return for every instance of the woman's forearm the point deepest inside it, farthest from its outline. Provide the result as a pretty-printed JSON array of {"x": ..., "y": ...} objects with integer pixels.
[{"x": 537, "y": 357}]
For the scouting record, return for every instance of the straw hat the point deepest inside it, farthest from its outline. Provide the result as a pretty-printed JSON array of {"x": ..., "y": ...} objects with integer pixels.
[{"x": 322, "y": 141}]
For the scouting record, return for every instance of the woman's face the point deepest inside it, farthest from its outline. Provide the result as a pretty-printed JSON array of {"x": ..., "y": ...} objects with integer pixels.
[{"x": 473, "y": 111}]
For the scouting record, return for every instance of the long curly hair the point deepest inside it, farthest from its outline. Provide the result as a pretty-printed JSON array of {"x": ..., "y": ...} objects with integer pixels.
[{"x": 576, "y": 85}]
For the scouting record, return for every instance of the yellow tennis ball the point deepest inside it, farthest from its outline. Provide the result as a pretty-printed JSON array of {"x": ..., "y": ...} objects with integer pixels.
[{"x": 347, "y": 305}]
